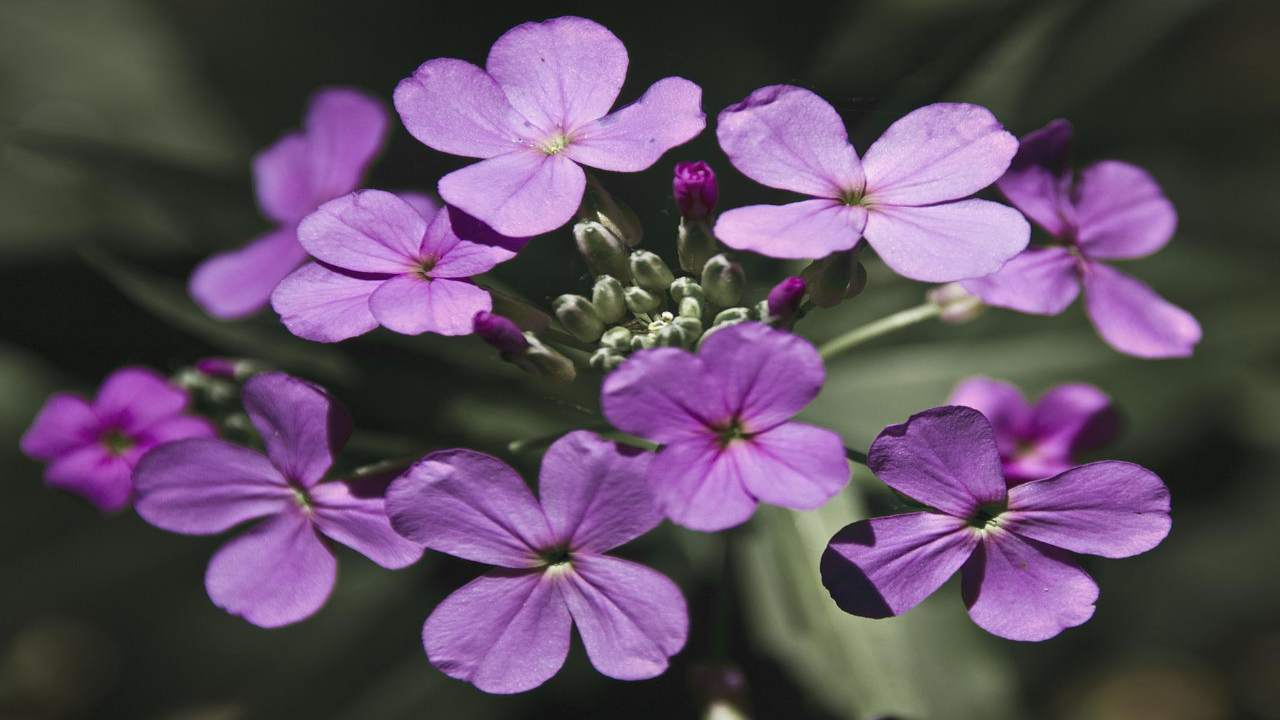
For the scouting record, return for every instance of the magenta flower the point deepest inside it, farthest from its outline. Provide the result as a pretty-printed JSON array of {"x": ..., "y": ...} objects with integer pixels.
[
  {"x": 1113, "y": 211},
  {"x": 507, "y": 631},
  {"x": 343, "y": 131},
  {"x": 695, "y": 190},
  {"x": 534, "y": 114},
  {"x": 1011, "y": 545},
  {"x": 280, "y": 571},
  {"x": 390, "y": 261},
  {"x": 723, "y": 418},
  {"x": 904, "y": 197},
  {"x": 92, "y": 447},
  {"x": 1040, "y": 441}
]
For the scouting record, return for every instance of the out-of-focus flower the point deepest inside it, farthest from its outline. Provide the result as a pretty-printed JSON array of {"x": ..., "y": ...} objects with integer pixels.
[
  {"x": 1012, "y": 546},
  {"x": 723, "y": 417},
  {"x": 508, "y": 630},
  {"x": 904, "y": 197},
  {"x": 1113, "y": 211},
  {"x": 92, "y": 447},
  {"x": 695, "y": 189},
  {"x": 342, "y": 132},
  {"x": 280, "y": 571},
  {"x": 536, "y": 111}
]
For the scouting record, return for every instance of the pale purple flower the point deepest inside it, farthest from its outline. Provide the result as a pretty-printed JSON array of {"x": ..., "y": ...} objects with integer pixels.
[
  {"x": 392, "y": 261},
  {"x": 342, "y": 132},
  {"x": 281, "y": 570},
  {"x": 695, "y": 189},
  {"x": 92, "y": 447},
  {"x": 1112, "y": 211},
  {"x": 534, "y": 114},
  {"x": 904, "y": 196},
  {"x": 1041, "y": 440},
  {"x": 723, "y": 418},
  {"x": 1012, "y": 546},
  {"x": 508, "y": 630}
]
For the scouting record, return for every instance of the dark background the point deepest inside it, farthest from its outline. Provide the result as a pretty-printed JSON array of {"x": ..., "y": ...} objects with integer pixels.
[{"x": 126, "y": 129}]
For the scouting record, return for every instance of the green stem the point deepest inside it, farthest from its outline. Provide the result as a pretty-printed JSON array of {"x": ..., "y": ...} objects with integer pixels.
[
  {"x": 855, "y": 456},
  {"x": 883, "y": 326},
  {"x": 536, "y": 443}
]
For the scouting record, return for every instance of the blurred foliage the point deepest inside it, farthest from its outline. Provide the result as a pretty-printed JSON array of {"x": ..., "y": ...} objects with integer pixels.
[{"x": 126, "y": 128}]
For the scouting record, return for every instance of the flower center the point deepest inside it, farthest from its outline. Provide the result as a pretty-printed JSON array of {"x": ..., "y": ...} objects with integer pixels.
[
  {"x": 557, "y": 559},
  {"x": 987, "y": 515},
  {"x": 301, "y": 497},
  {"x": 555, "y": 144},
  {"x": 854, "y": 197},
  {"x": 731, "y": 431},
  {"x": 425, "y": 266},
  {"x": 116, "y": 442},
  {"x": 660, "y": 321}
]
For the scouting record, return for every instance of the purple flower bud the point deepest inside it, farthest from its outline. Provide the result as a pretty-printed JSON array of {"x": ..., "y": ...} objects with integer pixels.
[
  {"x": 784, "y": 298},
  {"x": 500, "y": 333},
  {"x": 695, "y": 189},
  {"x": 219, "y": 367}
]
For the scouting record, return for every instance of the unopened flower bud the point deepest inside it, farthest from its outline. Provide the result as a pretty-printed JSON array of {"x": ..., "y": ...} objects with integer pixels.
[
  {"x": 834, "y": 278},
  {"x": 605, "y": 359},
  {"x": 604, "y": 251},
  {"x": 956, "y": 305},
  {"x": 609, "y": 299},
  {"x": 785, "y": 298},
  {"x": 671, "y": 336},
  {"x": 722, "y": 280},
  {"x": 731, "y": 315},
  {"x": 643, "y": 342},
  {"x": 622, "y": 221},
  {"x": 650, "y": 272},
  {"x": 579, "y": 317},
  {"x": 542, "y": 360},
  {"x": 617, "y": 338},
  {"x": 691, "y": 307},
  {"x": 690, "y": 326},
  {"x": 641, "y": 301},
  {"x": 695, "y": 189},
  {"x": 500, "y": 333},
  {"x": 220, "y": 367},
  {"x": 695, "y": 245}
]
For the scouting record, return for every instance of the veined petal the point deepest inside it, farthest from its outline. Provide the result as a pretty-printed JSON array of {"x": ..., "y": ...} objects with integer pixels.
[
  {"x": 65, "y": 422},
  {"x": 360, "y": 522},
  {"x": 455, "y": 257},
  {"x": 325, "y": 305},
  {"x": 238, "y": 283},
  {"x": 520, "y": 194},
  {"x": 1002, "y": 404},
  {"x": 1073, "y": 417},
  {"x": 368, "y": 231},
  {"x": 1121, "y": 212},
  {"x": 947, "y": 242},
  {"x": 1040, "y": 281},
  {"x": 809, "y": 229},
  {"x": 101, "y": 477},
  {"x": 793, "y": 465},
  {"x": 633, "y": 138},
  {"x": 1133, "y": 319},
  {"x": 594, "y": 492},
  {"x": 697, "y": 485},
  {"x": 300, "y": 424},
  {"x": 413, "y": 305},
  {"x": 663, "y": 394},
  {"x": 455, "y": 107},
  {"x": 134, "y": 398},
  {"x": 1038, "y": 181},
  {"x": 759, "y": 376},
  {"x": 344, "y": 128}
]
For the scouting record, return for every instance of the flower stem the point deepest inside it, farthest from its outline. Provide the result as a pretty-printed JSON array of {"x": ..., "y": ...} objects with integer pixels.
[
  {"x": 855, "y": 456},
  {"x": 883, "y": 326}
]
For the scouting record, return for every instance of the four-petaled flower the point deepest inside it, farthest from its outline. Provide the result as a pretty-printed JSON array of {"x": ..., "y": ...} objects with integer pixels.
[
  {"x": 1113, "y": 211},
  {"x": 904, "y": 196},
  {"x": 1012, "y": 546},
  {"x": 534, "y": 114},
  {"x": 508, "y": 630},
  {"x": 723, "y": 417},
  {"x": 280, "y": 571}
]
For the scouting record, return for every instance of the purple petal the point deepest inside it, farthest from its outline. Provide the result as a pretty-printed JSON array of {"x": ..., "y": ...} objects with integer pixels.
[
  {"x": 1024, "y": 590},
  {"x": 762, "y": 377},
  {"x": 1133, "y": 319},
  {"x": 469, "y": 505},
  {"x": 793, "y": 465},
  {"x": 1038, "y": 181},
  {"x": 426, "y": 205},
  {"x": 789, "y": 138},
  {"x": 945, "y": 458},
  {"x": 662, "y": 394},
  {"x": 277, "y": 573},
  {"x": 454, "y": 257},
  {"x": 345, "y": 129},
  {"x": 504, "y": 632},
  {"x": 1040, "y": 281},
  {"x": 412, "y": 305},
  {"x": 94, "y": 473},
  {"x": 885, "y": 566},
  {"x": 560, "y": 74},
  {"x": 594, "y": 492},
  {"x": 133, "y": 399},
  {"x": 943, "y": 243},
  {"x": 65, "y": 422},
  {"x": 282, "y": 180},
  {"x": 455, "y": 107},
  {"x": 179, "y": 427},
  {"x": 698, "y": 485},
  {"x": 470, "y": 229},
  {"x": 324, "y": 305},
  {"x": 301, "y": 426},
  {"x": 234, "y": 284},
  {"x": 368, "y": 231},
  {"x": 809, "y": 229},
  {"x": 206, "y": 486},
  {"x": 520, "y": 194},
  {"x": 1002, "y": 404},
  {"x": 1113, "y": 509},
  {"x": 1121, "y": 212},
  {"x": 361, "y": 523},
  {"x": 631, "y": 618},
  {"x": 633, "y": 138},
  {"x": 937, "y": 153},
  {"x": 1073, "y": 417}
]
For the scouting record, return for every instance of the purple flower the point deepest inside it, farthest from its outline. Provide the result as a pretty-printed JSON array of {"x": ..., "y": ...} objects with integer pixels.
[
  {"x": 1040, "y": 441},
  {"x": 280, "y": 571},
  {"x": 695, "y": 189},
  {"x": 534, "y": 114},
  {"x": 92, "y": 447},
  {"x": 1012, "y": 546},
  {"x": 1113, "y": 211},
  {"x": 784, "y": 299},
  {"x": 723, "y": 418},
  {"x": 507, "y": 631},
  {"x": 390, "y": 261},
  {"x": 904, "y": 196},
  {"x": 343, "y": 131}
]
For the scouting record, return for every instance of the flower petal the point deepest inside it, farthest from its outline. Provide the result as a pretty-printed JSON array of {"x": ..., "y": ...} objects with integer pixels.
[
  {"x": 1113, "y": 509},
  {"x": 1040, "y": 281},
  {"x": 457, "y": 108},
  {"x": 1121, "y": 212},
  {"x": 663, "y": 394},
  {"x": 1133, "y": 319},
  {"x": 885, "y": 566},
  {"x": 631, "y": 618},
  {"x": 945, "y": 458},
  {"x": 1073, "y": 417},
  {"x": 238, "y": 283},
  {"x": 937, "y": 153},
  {"x": 633, "y": 138},
  {"x": 426, "y": 205},
  {"x": 594, "y": 492},
  {"x": 324, "y": 305},
  {"x": 360, "y": 522},
  {"x": 134, "y": 398},
  {"x": 204, "y": 486},
  {"x": 787, "y": 137},
  {"x": 1038, "y": 181},
  {"x": 301, "y": 426},
  {"x": 761, "y": 376},
  {"x": 809, "y": 229},
  {"x": 178, "y": 427},
  {"x": 942, "y": 243},
  {"x": 65, "y": 422},
  {"x": 282, "y": 179},
  {"x": 1021, "y": 589},
  {"x": 507, "y": 631},
  {"x": 277, "y": 573},
  {"x": 414, "y": 305},
  {"x": 345, "y": 129},
  {"x": 561, "y": 73},
  {"x": 793, "y": 465},
  {"x": 94, "y": 474},
  {"x": 469, "y": 505},
  {"x": 699, "y": 486},
  {"x": 1002, "y": 404},
  {"x": 455, "y": 257},
  {"x": 368, "y": 231},
  {"x": 520, "y": 194}
]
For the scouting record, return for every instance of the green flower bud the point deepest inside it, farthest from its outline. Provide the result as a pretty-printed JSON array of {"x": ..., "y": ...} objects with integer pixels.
[
  {"x": 641, "y": 301},
  {"x": 695, "y": 245},
  {"x": 671, "y": 336},
  {"x": 598, "y": 205},
  {"x": 686, "y": 287},
  {"x": 579, "y": 317},
  {"x": 834, "y": 278},
  {"x": 643, "y": 342},
  {"x": 609, "y": 299},
  {"x": 691, "y": 307},
  {"x": 603, "y": 250},
  {"x": 731, "y": 315},
  {"x": 690, "y": 326},
  {"x": 617, "y": 338},
  {"x": 955, "y": 304},
  {"x": 650, "y": 272},
  {"x": 722, "y": 279},
  {"x": 605, "y": 359},
  {"x": 542, "y": 360}
]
